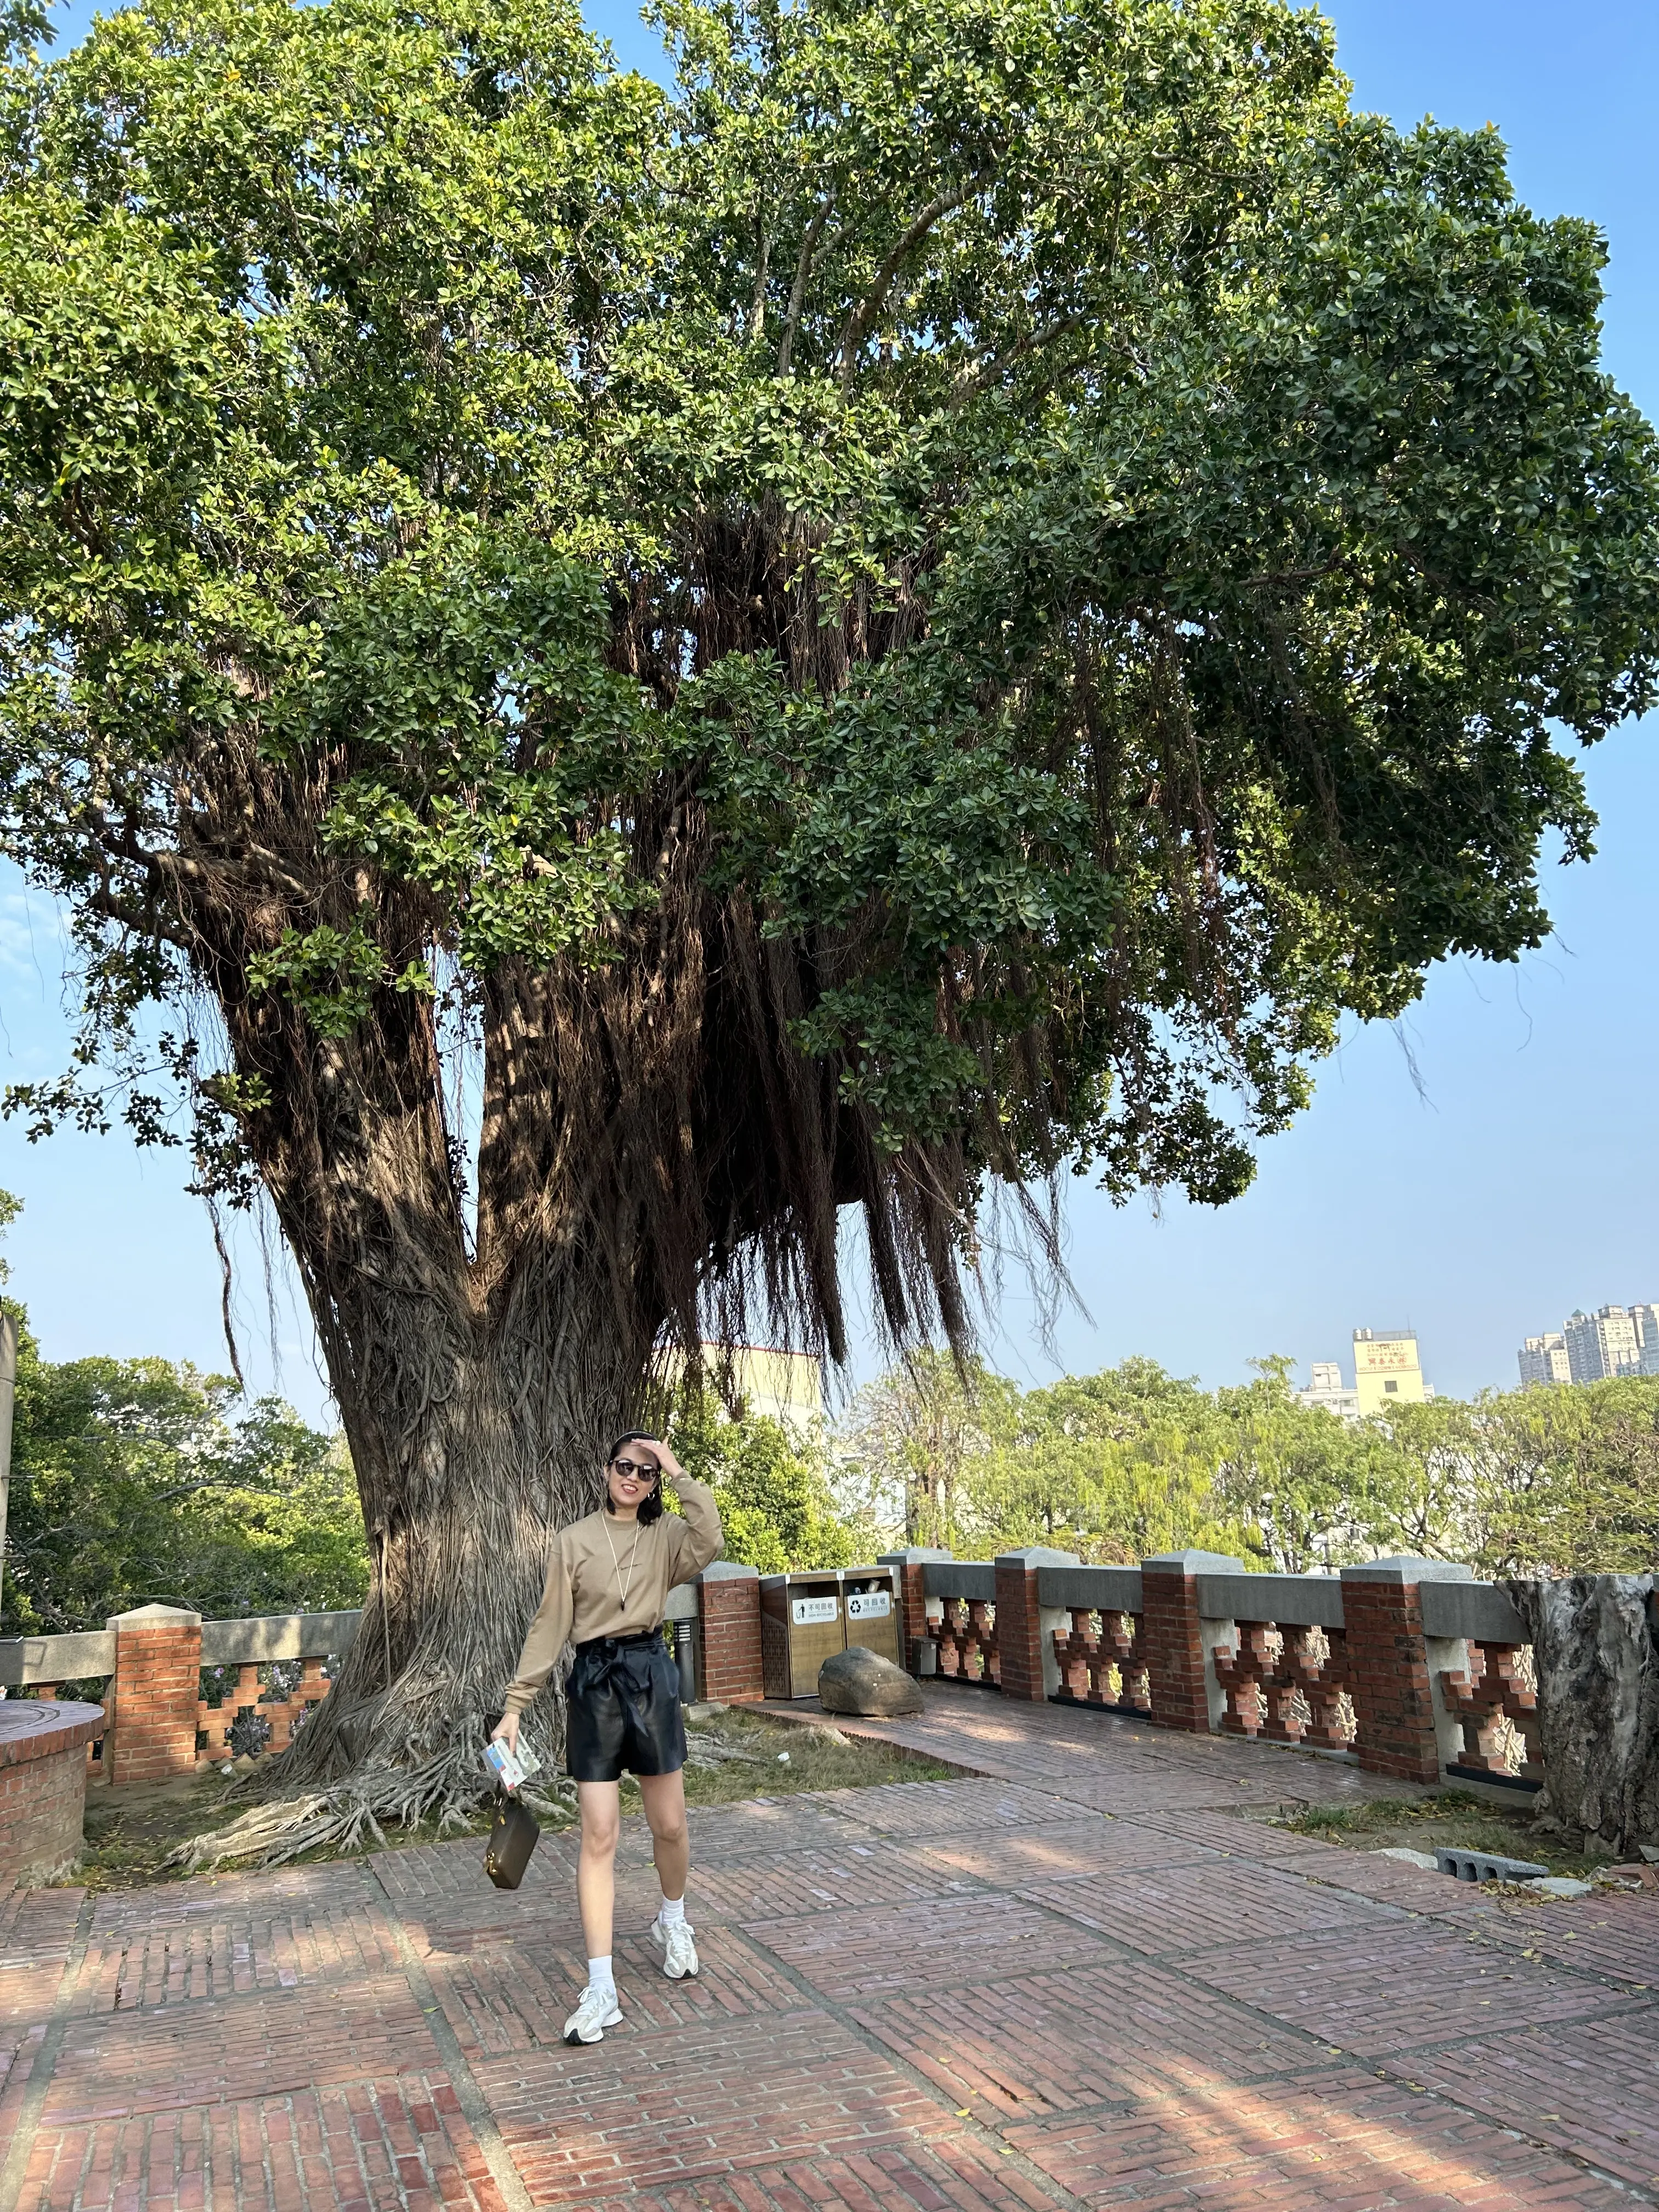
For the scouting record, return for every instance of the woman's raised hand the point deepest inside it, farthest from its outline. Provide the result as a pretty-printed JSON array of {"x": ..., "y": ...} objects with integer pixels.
[{"x": 666, "y": 1459}]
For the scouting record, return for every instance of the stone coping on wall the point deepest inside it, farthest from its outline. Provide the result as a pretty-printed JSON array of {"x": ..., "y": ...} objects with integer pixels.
[
  {"x": 253, "y": 1642},
  {"x": 1290, "y": 1600},
  {"x": 26, "y": 1659},
  {"x": 1100, "y": 1590},
  {"x": 1453, "y": 1603},
  {"x": 277, "y": 1635},
  {"x": 1480, "y": 1610},
  {"x": 32, "y": 1728},
  {"x": 961, "y": 1578}
]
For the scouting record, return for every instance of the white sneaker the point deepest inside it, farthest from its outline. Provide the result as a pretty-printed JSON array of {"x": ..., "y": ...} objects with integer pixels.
[
  {"x": 596, "y": 2010},
  {"x": 679, "y": 1947}
]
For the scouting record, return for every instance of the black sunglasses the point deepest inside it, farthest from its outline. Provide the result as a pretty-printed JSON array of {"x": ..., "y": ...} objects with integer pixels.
[{"x": 642, "y": 1470}]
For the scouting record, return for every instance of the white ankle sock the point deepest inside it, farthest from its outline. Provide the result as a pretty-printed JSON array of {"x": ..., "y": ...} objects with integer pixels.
[
  {"x": 599, "y": 1975},
  {"x": 671, "y": 1913}
]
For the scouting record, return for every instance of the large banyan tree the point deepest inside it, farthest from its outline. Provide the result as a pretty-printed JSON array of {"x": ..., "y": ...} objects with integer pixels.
[{"x": 935, "y": 605}]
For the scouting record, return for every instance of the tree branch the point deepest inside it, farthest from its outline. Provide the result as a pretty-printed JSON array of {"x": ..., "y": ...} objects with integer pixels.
[
  {"x": 876, "y": 298},
  {"x": 804, "y": 264},
  {"x": 143, "y": 921},
  {"x": 987, "y": 372},
  {"x": 757, "y": 305}
]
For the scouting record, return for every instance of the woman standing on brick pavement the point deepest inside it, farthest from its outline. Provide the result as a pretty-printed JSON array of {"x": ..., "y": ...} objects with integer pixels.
[{"x": 608, "y": 1580}]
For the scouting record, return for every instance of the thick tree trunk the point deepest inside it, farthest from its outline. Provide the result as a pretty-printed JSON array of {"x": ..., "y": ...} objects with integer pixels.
[
  {"x": 458, "y": 1532},
  {"x": 1595, "y": 1650},
  {"x": 653, "y": 1150},
  {"x": 477, "y": 1387}
]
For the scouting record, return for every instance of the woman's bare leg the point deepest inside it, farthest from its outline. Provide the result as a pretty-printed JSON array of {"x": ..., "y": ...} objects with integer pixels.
[
  {"x": 596, "y": 1870},
  {"x": 671, "y": 1845}
]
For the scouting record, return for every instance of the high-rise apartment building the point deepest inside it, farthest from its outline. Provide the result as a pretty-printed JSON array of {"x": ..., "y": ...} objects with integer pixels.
[
  {"x": 1544, "y": 1359},
  {"x": 1387, "y": 1371},
  {"x": 1646, "y": 1319},
  {"x": 1602, "y": 1344}
]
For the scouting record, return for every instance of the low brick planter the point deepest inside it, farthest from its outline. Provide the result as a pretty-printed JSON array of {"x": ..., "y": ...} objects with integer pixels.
[{"x": 43, "y": 1786}]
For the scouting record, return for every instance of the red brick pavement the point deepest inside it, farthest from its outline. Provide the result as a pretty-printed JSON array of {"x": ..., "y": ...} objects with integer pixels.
[
  {"x": 655, "y": 2111},
  {"x": 1340, "y": 2139},
  {"x": 1397, "y": 1985},
  {"x": 399, "y": 2141},
  {"x": 1594, "y": 2085},
  {"x": 1063, "y": 1851},
  {"x": 1191, "y": 1907},
  {"x": 1083, "y": 1975}
]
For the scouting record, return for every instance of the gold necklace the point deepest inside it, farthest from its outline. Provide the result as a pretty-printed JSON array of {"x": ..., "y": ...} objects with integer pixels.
[{"x": 616, "y": 1564}]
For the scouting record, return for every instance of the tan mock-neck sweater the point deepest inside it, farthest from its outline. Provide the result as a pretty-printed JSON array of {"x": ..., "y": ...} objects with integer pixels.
[{"x": 596, "y": 1563}]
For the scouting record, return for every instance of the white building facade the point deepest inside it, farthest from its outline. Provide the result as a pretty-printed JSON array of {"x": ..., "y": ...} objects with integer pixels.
[
  {"x": 1544, "y": 1359},
  {"x": 1602, "y": 1344}
]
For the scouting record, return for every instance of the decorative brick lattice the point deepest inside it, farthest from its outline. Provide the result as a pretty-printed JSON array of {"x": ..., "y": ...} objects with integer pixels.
[
  {"x": 1495, "y": 1703},
  {"x": 1289, "y": 1685},
  {"x": 1100, "y": 1662},
  {"x": 966, "y": 1634},
  {"x": 280, "y": 1715}
]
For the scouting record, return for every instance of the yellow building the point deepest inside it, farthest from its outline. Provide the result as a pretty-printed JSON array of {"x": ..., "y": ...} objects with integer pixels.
[
  {"x": 1387, "y": 1371},
  {"x": 785, "y": 1386}
]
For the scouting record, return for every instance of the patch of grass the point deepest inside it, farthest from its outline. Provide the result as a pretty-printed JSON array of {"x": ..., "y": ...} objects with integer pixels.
[
  {"x": 734, "y": 1755},
  {"x": 788, "y": 1756},
  {"x": 1447, "y": 1817}
]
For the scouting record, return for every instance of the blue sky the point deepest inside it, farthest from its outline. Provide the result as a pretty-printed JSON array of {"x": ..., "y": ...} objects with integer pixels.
[{"x": 1475, "y": 1175}]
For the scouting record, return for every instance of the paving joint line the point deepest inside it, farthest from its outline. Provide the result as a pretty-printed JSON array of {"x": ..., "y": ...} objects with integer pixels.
[
  {"x": 15, "y": 2172},
  {"x": 474, "y": 2105},
  {"x": 972, "y": 2126},
  {"x": 1380, "y": 2068}
]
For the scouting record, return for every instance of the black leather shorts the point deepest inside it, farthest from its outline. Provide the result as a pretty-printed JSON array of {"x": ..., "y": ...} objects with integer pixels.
[{"x": 622, "y": 1709}]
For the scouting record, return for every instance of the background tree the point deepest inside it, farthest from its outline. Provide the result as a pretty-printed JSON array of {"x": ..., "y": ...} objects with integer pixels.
[
  {"x": 1114, "y": 1465},
  {"x": 771, "y": 1484},
  {"x": 1316, "y": 1489},
  {"x": 1564, "y": 1481},
  {"x": 913, "y": 1441},
  {"x": 137, "y": 1479},
  {"x": 938, "y": 602}
]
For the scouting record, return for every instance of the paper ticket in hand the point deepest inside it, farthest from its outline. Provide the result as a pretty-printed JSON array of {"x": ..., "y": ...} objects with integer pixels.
[{"x": 510, "y": 1768}]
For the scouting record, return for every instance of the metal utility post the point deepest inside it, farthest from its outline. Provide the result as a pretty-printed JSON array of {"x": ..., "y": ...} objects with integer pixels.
[{"x": 8, "y": 1395}]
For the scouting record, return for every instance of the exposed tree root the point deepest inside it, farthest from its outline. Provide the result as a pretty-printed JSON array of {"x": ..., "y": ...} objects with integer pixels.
[
  {"x": 448, "y": 1791},
  {"x": 709, "y": 1751},
  {"x": 351, "y": 1813}
]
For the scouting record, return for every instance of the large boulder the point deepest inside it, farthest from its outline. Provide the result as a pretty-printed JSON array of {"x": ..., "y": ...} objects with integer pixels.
[{"x": 860, "y": 1681}]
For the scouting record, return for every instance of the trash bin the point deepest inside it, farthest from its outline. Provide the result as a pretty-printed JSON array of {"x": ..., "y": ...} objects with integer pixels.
[
  {"x": 869, "y": 1604},
  {"x": 801, "y": 1623}
]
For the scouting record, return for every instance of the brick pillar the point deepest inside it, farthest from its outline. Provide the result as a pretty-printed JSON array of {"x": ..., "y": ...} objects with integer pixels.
[
  {"x": 158, "y": 1668},
  {"x": 1171, "y": 1639},
  {"x": 1029, "y": 1670},
  {"x": 729, "y": 1599},
  {"x": 910, "y": 1583},
  {"x": 1388, "y": 1674}
]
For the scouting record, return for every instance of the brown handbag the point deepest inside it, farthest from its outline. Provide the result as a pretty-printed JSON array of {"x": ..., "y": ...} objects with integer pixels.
[{"x": 512, "y": 1840}]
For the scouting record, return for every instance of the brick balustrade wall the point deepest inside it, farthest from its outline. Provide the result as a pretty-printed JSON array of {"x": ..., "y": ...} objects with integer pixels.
[
  {"x": 730, "y": 1600},
  {"x": 154, "y": 1709},
  {"x": 1171, "y": 1640},
  {"x": 158, "y": 1667},
  {"x": 910, "y": 1587},
  {"x": 1388, "y": 1667},
  {"x": 1017, "y": 1629},
  {"x": 1029, "y": 1669}
]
